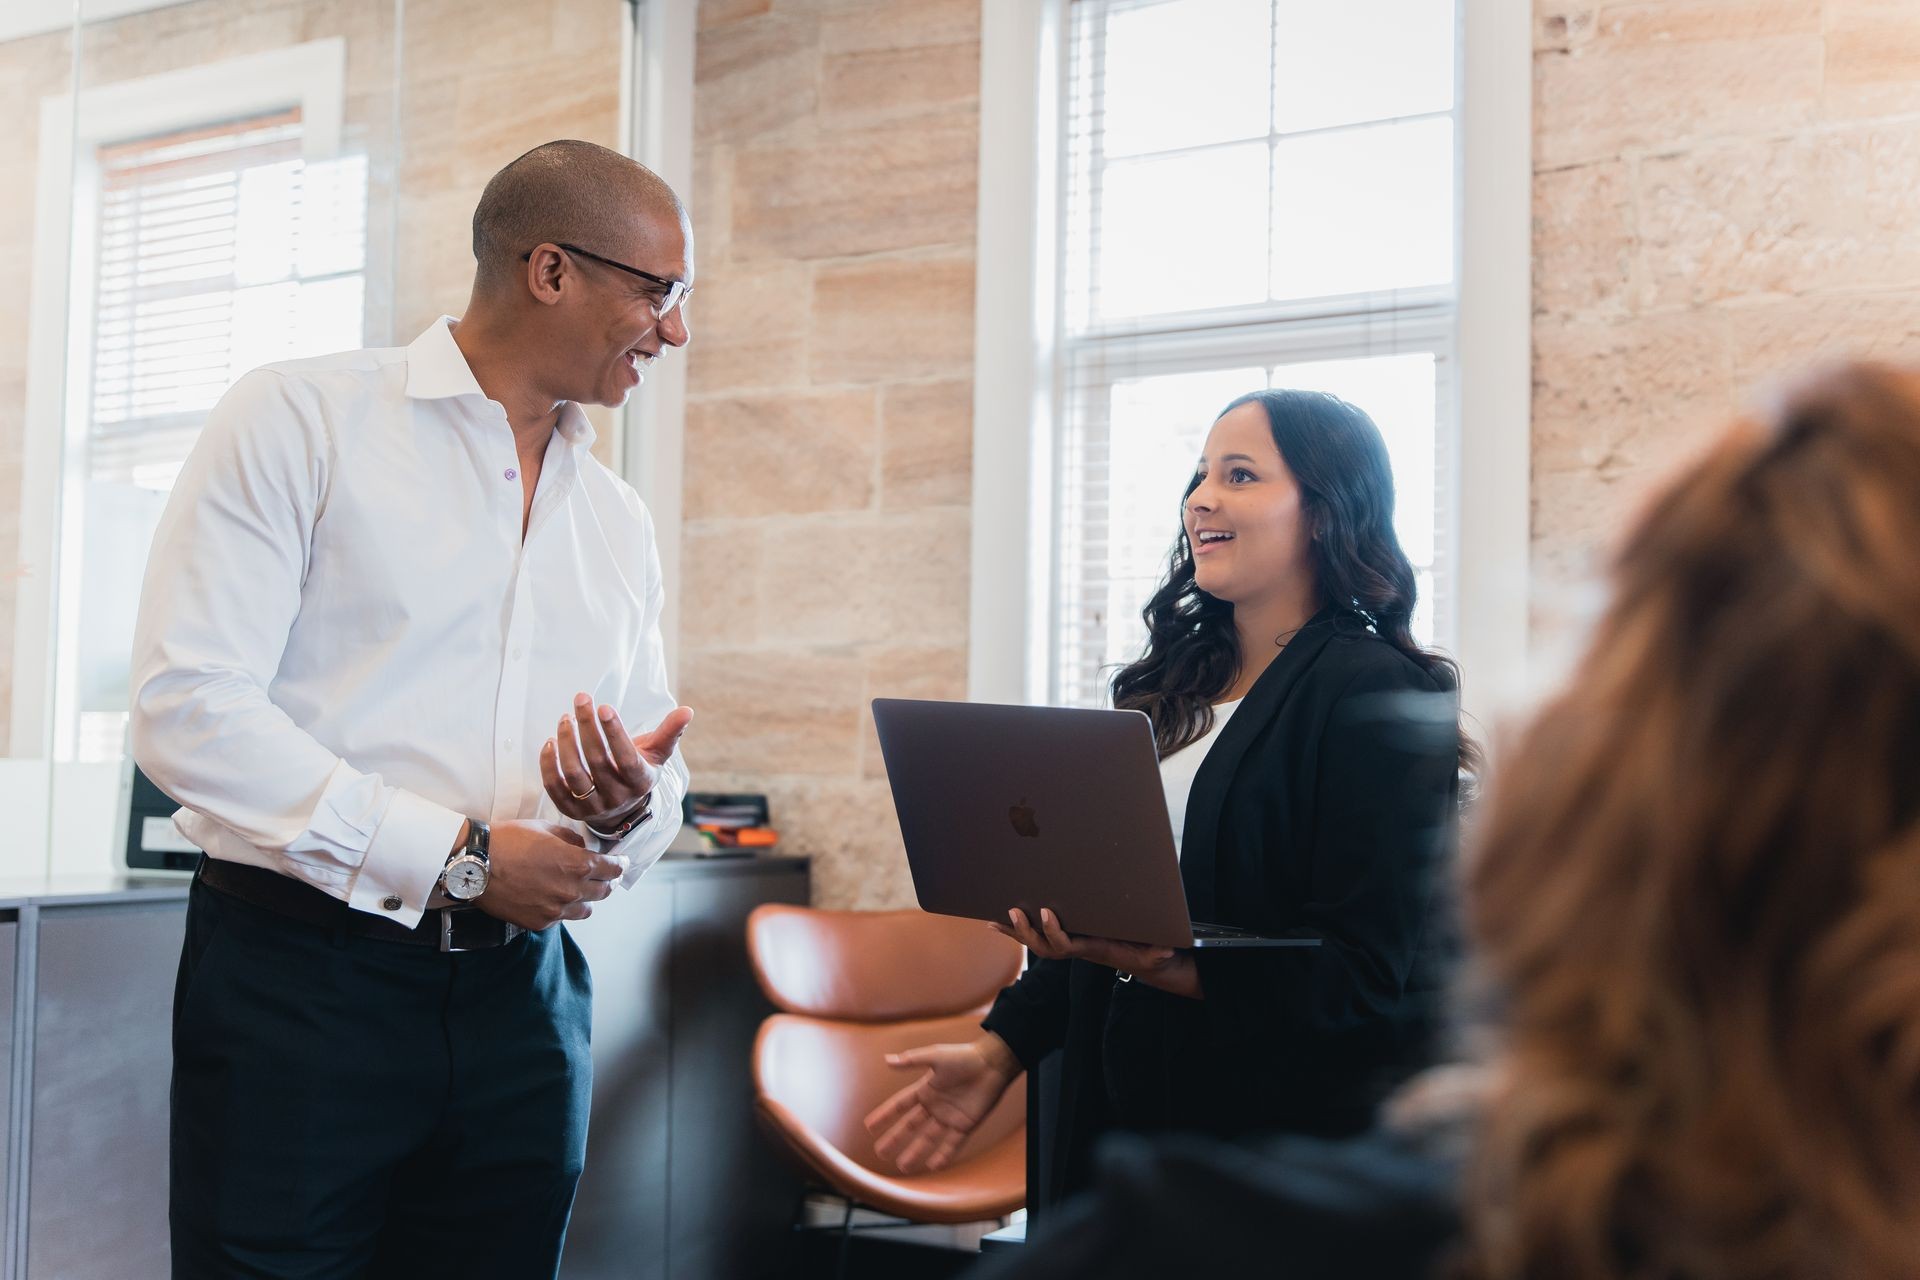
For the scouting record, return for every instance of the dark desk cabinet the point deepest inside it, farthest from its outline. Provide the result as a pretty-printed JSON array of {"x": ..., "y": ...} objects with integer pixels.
[
  {"x": 680, "y": 1184},
  {"x": 86, "y": 977},
  {"x": 102, "y": 1005}
]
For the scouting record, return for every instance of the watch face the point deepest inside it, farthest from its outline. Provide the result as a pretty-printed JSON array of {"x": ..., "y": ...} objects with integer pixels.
[{"x": 466, "y": 879}]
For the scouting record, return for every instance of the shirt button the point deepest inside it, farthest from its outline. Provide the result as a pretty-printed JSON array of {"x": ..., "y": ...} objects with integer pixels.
[
  {"x": 519, "y": 654},
  {"x": 512, "y": 474},
  {"x": 506, "y": 744},
  {"x": 391, "y": 902}
]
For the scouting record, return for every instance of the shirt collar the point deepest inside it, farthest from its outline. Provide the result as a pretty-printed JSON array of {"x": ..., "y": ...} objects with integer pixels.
[{"x": 437, "y": 369}]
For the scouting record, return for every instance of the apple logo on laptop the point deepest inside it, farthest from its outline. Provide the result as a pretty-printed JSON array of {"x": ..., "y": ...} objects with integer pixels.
[{"x": 1023, "y": 820}]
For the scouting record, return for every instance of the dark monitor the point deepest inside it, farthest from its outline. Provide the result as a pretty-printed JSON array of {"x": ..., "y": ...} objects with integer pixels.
[{"x": 152, "y": 843}]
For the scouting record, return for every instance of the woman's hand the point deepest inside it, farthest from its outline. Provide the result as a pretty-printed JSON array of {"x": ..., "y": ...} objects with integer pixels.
[
  {"x": 1162, "y": 967},
  {"x": 924, "y": 1124},
  {"x": 594, "y": 773}
]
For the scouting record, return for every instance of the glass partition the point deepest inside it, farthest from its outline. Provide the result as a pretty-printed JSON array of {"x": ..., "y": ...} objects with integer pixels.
[{"x": 200, "y": 188}]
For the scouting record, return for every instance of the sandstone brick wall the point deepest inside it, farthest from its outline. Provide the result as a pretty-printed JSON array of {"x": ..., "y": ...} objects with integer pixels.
[
  {"x": 479, "y": 84},
  {"x": 829, "y": 417},
  {"x": 1724, "y": 191}
]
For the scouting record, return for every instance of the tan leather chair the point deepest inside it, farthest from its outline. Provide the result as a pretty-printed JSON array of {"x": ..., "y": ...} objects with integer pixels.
[{"x": 854, "y": 986}]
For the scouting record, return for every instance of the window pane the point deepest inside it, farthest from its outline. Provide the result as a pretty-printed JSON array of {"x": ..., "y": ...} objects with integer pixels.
[
  {"x": 1185, "y": 196},
  {"x": 269, "y": 223},
  {"x": 333, "y": 216},
  {"x": 1183, "y": 74},
  {"x": 1397, "y": 392},
  {"x": 120, "y": 519},
  {"x": 232, "y": 248},
  {"x": 1183, "y": 232},
  {"x": 1158, "y": 427},
  {"x": 1364, "y": 209},
  {"x": 1361, "y": 60},
  {"x": 1423, "y": 607}
]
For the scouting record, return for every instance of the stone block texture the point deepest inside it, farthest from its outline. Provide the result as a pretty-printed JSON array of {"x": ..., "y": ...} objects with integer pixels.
[
  {"x": 829, "y": 420},
  {"x": 1724, "y": 195}
]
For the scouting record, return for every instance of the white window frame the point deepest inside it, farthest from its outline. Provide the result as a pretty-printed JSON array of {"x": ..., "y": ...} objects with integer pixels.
[
  {"x": 656, "y": 85},
  {"x": 1016, "y": 413},
  {"x": 310, "y": 76}
]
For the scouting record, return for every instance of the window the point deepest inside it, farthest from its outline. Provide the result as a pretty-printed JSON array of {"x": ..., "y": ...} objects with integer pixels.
[
  {"x": 1255, "y": 194},
  {"x": 215, "y": 249}
]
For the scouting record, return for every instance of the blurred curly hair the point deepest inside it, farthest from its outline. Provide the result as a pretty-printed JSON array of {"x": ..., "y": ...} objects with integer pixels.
[{"x": 1695, "y": 892}]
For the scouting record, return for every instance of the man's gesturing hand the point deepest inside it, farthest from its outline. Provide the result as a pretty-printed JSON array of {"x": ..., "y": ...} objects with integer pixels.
[
  {"x": 540, "y": 872},
  {"x": 595, "y": 773}
]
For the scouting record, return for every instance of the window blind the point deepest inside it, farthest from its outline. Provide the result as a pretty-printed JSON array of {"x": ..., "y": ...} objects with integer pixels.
[
  {"x": 219, "y": 249},
  {"x": 215, "y": 249},
  {"x": 1256, "y": 193}
]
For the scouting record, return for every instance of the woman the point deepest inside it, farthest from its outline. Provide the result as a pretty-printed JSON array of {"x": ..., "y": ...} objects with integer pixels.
[
  {"x": 1321, "y": 748},
  {"x": 1696, "y": 901}
]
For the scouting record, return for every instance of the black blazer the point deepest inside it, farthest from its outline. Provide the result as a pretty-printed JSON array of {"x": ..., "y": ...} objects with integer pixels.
[{"x": 1326, "y": 805}]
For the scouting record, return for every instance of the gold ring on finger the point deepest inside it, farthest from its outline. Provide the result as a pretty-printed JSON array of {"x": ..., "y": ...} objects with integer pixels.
[{"x": 582, "y": 795}]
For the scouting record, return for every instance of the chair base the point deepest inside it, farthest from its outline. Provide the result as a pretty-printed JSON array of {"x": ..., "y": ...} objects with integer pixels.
[{"x": 824, "y": 1249}]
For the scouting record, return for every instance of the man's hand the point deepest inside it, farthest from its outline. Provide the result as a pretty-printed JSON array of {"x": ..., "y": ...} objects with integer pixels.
[
  {"x": 924, "y": 1125},
  {"x": 1162, "y": 967},
  {"x": 595, "y": 773},
  {"x": 540, "y": 872}
]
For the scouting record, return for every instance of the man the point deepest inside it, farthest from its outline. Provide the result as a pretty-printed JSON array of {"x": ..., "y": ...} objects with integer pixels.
[{"x": 396, "y": 623}]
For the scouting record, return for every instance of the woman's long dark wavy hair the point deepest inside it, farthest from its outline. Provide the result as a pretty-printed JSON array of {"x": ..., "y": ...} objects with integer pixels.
[{"x": 1340, "y": 462}]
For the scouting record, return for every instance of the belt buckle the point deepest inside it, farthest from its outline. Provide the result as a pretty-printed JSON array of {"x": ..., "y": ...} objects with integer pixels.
[
  {"x": 446, "y": 931},
  {"x": 508, "y": 931}
]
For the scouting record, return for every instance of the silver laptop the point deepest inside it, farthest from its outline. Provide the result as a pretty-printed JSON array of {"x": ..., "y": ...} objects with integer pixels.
[{"x": 1032, "y": 807}]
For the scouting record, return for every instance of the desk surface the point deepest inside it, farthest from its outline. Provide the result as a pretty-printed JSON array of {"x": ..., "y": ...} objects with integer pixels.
[
  {"x": 91, "y": 890},
  {"x": 85, "y": 890}
]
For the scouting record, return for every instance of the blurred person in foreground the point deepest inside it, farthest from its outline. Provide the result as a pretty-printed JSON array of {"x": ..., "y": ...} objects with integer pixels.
[{"x": 1695, "y": 899}]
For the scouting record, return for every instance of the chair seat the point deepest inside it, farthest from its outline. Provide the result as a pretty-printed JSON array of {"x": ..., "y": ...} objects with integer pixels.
[
  {"x": 814, "y": 1082},
  {"x": 986, "y": 1184},
  {"x": 854, "y": 987}
]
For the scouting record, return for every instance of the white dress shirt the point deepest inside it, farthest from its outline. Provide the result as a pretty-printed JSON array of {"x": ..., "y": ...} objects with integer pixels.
[
  {"x": 1178, "y": 770},
  {"x": 345, "y": 648}
]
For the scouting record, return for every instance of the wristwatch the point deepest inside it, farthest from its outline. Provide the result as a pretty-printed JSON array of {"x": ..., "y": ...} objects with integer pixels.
[
  {"x": 465, "y": 877},
  {"x": 619, "y": 833}
]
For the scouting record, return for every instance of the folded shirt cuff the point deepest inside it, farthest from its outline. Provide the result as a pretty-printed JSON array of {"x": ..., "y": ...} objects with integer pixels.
[{"x": 405, "y": 858}]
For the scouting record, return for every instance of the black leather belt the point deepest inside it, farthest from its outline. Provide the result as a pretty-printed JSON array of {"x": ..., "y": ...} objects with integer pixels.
[{"x": 444, "y": 928}]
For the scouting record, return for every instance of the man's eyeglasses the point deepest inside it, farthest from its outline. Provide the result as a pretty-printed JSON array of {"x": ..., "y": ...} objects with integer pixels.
[{"x": 676, "y": 293}]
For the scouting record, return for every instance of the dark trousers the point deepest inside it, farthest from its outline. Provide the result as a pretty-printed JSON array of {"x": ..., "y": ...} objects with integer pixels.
[{"x": 349, "y": 1107}]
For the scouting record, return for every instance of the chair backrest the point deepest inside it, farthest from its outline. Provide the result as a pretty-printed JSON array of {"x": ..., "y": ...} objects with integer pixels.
[
  {"x": 829, "y": 1075},
  {"x": 877, "y": 966}
]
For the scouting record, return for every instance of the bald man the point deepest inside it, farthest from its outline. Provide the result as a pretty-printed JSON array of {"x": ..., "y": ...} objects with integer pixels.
[{"x": 399, "y": 661}]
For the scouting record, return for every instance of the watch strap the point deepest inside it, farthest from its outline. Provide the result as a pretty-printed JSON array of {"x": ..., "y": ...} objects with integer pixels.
[
  {"x": 478, "y": 836},
  {"x": 620, "y": 832}
]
